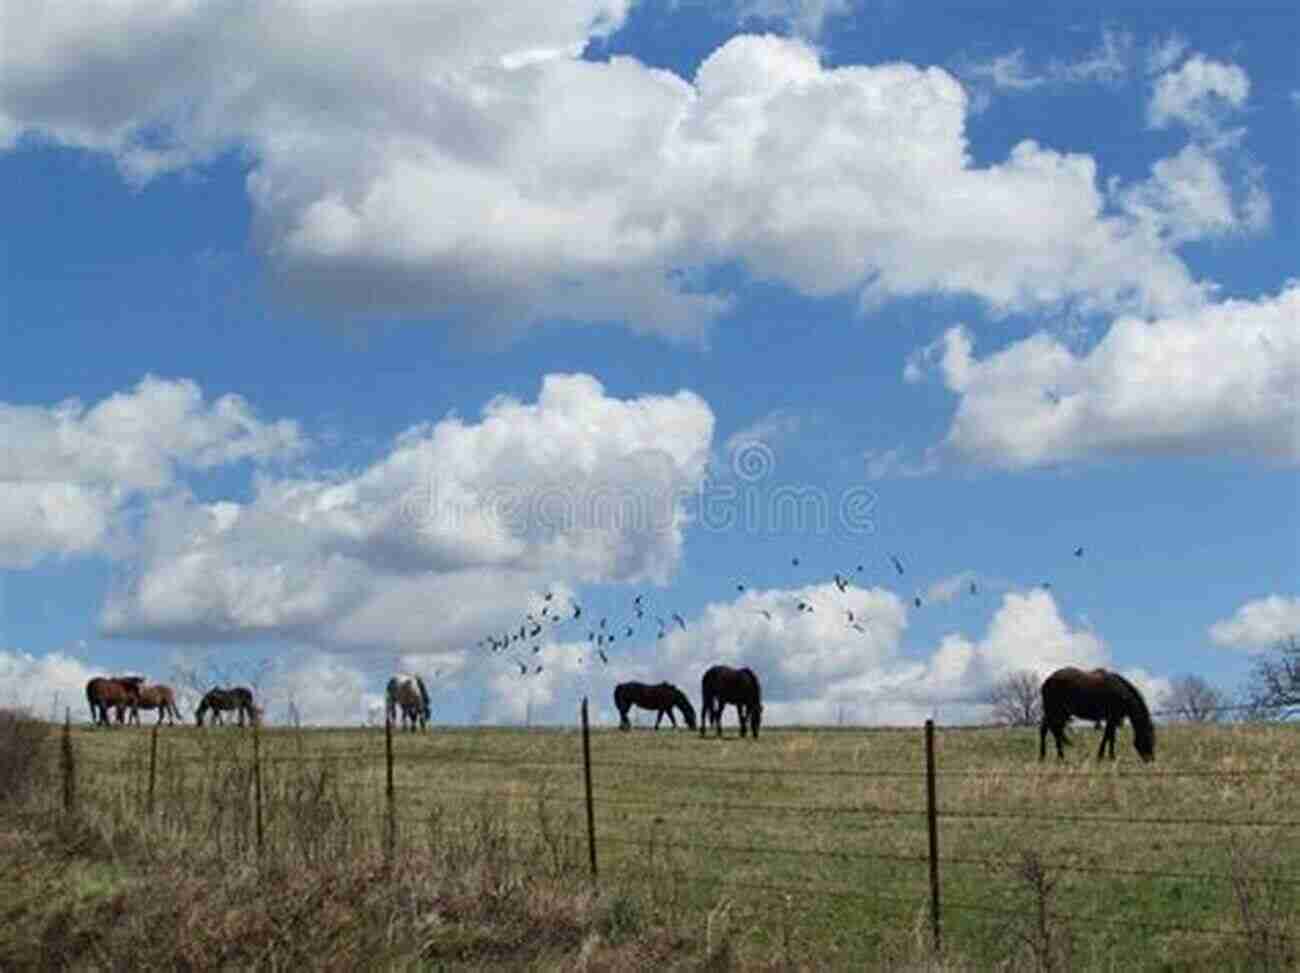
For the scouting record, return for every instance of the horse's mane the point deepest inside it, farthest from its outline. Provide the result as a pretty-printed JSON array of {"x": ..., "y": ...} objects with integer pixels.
[{"x": 1144, "y": 731}]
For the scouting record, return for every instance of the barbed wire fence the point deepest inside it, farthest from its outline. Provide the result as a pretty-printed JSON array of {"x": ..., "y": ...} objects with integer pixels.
[{"x": 931, "y": 863}]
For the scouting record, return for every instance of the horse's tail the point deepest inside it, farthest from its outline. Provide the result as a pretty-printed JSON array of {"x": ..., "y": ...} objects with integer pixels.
[
  {"x": 1144, "y": 730},
  {"x": 424, "y": 693}
]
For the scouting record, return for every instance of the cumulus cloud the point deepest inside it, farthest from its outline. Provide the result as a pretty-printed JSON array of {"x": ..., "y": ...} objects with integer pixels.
[
  {"x": 462, "y": 162},
  {"x": 67, "y": 470},
  {"x": 1200, "y": 192},
  {"x": 1197, "y": 94},
  {"x": 44, "y": 684},
  {"x": 445, "y": 537},
  {"x": 1220, "y": 380},
  {"x": 1259, "y": 624}
]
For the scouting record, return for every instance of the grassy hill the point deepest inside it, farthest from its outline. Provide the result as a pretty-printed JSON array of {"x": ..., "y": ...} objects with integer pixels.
[{"x": 806, "y": 849}]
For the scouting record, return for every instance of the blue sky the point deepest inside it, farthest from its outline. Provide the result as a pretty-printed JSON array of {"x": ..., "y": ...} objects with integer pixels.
[{"x": 331, "y": 343}]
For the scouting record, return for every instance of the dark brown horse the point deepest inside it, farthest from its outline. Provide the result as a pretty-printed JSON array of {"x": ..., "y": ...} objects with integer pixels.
[
  {"x": 1097, "y": 695},
  {"x": 159, "y": 697},
  {"x": 217, "y": 700},
  {"x": 722, "y": 685},
  {"x": 661, "y": 698},
  {"x": 117, "y": 691}
]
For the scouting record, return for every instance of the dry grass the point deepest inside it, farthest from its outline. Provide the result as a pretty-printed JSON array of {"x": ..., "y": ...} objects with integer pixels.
[{"x": 802, "y": 851}]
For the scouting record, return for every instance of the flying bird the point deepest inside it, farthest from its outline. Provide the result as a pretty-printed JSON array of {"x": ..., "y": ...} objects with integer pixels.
[
  {"x": 794, "y": 561},
  {"x": 973, "y": 589},
  {"x": 547, "y": 596},
  {"x": 679, "y": 620},
  {"x": 1078, "y": 552},
  {"x": 917, "y": 601},
  {"x": 897, "y": 563},
  {"x": 840, "y": 583},
  {"x": 740, "y": 587},
  {"x": 577, "y": 611},
  {"x": 603, "y": 657},
  {"x": 628, "y": 633},
  {"x": 764, "y": 612}
]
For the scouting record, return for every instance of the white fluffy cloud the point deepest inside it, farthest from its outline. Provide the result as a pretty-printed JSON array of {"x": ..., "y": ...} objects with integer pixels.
[
  {"x": 45, "y": 685},
  {"x": 460, "y": 161},
  {"x": 1199, "y": 193},
  {"x": 66, "y": 470},
  {"x": 1220, "y": 380},
  {"x": 1259, "y": 624},
  {"x": 1197, "y": 93},
  {"x": 441, "y": 539}
]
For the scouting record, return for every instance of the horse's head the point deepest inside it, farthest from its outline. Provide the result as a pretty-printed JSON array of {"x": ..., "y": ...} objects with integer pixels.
[
  {"x": 684, "y": 704},
  {"x": 1144, "y": 740}
]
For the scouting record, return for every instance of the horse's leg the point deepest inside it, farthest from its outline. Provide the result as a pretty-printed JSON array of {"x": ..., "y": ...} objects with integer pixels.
[
  {"x": 1110, "y": 728},
  {"x": 671, "y": 719},
  {"x": 659, "y": 718},
  {"x": 1042, "y": 740}
]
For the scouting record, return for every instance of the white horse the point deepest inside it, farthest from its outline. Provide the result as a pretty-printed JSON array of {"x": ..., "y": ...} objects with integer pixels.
[{"x": 408, "y": 691}]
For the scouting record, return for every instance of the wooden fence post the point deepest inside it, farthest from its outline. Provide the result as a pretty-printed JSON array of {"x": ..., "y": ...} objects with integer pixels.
[
  {"x": 586, "y": 771},
  {"x": 68, "y": 765},
  {"x": 153, "y": 764},
  {"x": 257, "y": 785},
  {"x": 931, "y": 814},
  {"x": 390, "y": 835}
]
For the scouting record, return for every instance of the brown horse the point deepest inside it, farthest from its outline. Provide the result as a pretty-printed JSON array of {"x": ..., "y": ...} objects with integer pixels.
[
  {"x": 120, "y": 692},
  {"x": 722, "y": 685},
  {"x": 1097, "y": 695},
  {"x": 662, "y": 698},
  {"x": 159, "y": 697},
  {"x": 216, "y": 700}
]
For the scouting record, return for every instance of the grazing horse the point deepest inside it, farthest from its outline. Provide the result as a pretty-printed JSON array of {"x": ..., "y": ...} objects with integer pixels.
[
  {"x": 1096, "y": 695},
  {"x": 408, "y": 692},
  {"x": 117, "y": 692},
  {"x": 722, "y": 685},
  {"x": 662, "y": 698},
  {"x": 160, "y": 697},
  {"x": 218, "y": 700}
]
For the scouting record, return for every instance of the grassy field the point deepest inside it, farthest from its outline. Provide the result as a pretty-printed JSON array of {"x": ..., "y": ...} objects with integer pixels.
[{"x": 805, "y": 849}]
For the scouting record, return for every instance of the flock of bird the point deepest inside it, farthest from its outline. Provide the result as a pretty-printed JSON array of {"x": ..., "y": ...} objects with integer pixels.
[{"x": 522, "y": 646}]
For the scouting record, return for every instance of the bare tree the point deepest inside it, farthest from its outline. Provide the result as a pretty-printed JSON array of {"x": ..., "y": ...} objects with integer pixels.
[
  {"x": 1193, "y": 699},
  {"x": 1017, "y": 700},
  {"x": 1274, "y": 684}
]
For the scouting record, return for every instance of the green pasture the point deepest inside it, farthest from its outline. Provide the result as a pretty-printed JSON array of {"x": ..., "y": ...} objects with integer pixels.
[{"x": 810, "y": 841}]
